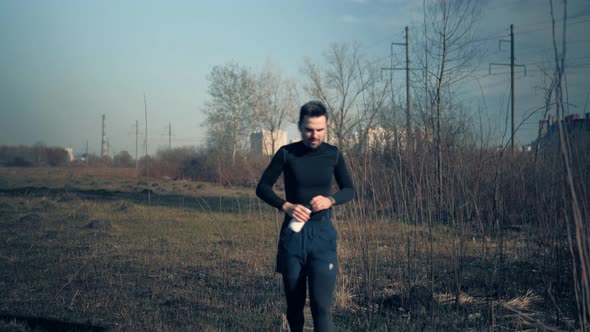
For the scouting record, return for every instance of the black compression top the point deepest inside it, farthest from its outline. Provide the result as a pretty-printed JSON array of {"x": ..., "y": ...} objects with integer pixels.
[{"x": 307, "y": 173}]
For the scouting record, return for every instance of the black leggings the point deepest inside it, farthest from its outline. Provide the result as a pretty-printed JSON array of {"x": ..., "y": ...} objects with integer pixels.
[
  {"x": 321, "y": 289},
  {"x": 310, "y": 258}
]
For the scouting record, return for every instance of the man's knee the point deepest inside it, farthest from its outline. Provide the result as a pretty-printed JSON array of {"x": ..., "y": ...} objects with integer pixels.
[
  {"x": 321, "y": 292},
  {"x": 321, "y": 306},
  {"x": 293, "y": 281}
]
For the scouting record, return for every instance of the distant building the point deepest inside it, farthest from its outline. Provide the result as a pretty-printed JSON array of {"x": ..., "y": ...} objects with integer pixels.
[
  {"x": 577, "y": 127},
  {"x": 262, "y": 142},
  {"x": 377, "y": 137}
]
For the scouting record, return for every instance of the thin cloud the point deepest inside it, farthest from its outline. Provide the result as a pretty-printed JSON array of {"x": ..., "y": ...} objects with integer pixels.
[{"x": 350, "y": 19}]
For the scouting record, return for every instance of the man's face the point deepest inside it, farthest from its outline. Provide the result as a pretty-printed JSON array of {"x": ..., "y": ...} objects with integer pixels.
[{"x": 313, "y": 130}]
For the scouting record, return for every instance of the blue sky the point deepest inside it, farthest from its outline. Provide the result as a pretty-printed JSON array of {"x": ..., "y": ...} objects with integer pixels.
[{"x": 65, "y": 63}]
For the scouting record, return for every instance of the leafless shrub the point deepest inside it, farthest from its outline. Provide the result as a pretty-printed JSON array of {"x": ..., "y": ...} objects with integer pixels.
[{"x": 36, "y": 155}]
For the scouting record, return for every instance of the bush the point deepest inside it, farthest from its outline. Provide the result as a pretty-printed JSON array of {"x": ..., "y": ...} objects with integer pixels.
[
  {"x": 96, "y": 161},
  {"x": 123, "y": 159},
  {"x": 36, "y": 155}
]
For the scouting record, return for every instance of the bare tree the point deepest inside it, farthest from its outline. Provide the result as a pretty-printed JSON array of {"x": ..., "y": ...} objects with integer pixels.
[
  {"x": 275, "y": 102},
  {"x": 578, "y": 237},
  {"x": 340, "y": 84},
  {"x": 451, "y": 52},
  {"x": 230, "y": 108}
]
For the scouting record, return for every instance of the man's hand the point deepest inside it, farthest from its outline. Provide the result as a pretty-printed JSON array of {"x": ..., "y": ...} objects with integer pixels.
[
  {"x": 320, "y": 202},
  {"x": 297, "y": 211}
]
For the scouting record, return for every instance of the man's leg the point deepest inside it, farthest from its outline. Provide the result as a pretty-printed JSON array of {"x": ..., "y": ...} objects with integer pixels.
[
  {"x": 295, "y": 283},
  {"x": 322, "y": 282},
  {"x": 295, "y": 292}
]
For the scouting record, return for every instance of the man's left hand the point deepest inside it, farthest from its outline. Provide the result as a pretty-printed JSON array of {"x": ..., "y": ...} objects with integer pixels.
[{"x": 319, "y": 203}]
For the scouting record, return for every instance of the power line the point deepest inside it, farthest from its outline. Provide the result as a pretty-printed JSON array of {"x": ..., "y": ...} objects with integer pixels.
[
  {"x": 566, "y": 60},
  {"x": 582, "y": 66},
  {"x": 525, "y": 31},
  {"x": 385, "y": 39}
]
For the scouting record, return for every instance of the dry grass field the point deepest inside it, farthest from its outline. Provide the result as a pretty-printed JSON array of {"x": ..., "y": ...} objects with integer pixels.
[{"x": 99, "y": 249}]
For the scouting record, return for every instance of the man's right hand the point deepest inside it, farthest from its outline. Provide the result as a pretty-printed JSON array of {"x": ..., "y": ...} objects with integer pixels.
[{"x": 297, "y": 211}]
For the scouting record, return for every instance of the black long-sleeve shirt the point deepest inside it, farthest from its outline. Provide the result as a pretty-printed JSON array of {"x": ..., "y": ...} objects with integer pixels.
[{"x": 307, "y": 173}]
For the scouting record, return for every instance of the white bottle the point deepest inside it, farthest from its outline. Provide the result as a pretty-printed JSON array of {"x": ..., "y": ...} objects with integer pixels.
[{"x": 295, "y": 225}]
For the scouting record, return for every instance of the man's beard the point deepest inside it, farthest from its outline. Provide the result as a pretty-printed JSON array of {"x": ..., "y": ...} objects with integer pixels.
[{"x": 313, "y": 143}]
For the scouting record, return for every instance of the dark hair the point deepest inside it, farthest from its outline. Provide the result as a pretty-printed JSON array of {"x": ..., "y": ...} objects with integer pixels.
[{"x": 312, "y": 108}]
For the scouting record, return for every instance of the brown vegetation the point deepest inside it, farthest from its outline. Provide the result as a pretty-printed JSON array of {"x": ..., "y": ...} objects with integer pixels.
[
  {"x": 36, "y": 155},
  {"x": 484, "y": 256}
]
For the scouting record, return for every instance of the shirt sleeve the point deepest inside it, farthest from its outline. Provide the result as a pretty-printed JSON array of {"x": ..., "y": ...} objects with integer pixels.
[
  {"x": 344, "y": 181},
  {"x": 264, "y": 188}
]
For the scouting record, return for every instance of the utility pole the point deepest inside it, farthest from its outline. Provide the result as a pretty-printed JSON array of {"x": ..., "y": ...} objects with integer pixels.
[
  {"x": 103, "y": 142},
  {"x": 512, "y": 95},
  {"x": 136, "y": 143},
  {"x": 408, "y": 99},
  {"x": 408, "y": 95},
  {"x": 512, "y": 85},
  {"x": 86, "y": 153},
  {"x": 146, "y": 130},
  {"x": 169, "y": 136}
]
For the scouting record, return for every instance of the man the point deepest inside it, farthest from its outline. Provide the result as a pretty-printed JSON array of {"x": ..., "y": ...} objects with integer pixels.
[{"x": 310, "y": 254}]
